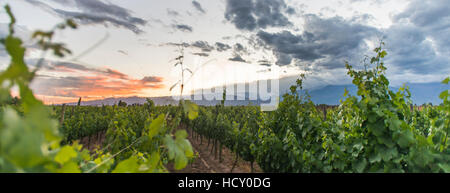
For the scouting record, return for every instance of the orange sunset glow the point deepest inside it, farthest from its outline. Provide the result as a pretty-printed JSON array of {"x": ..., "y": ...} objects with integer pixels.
[{"x": 89, "y": 83}]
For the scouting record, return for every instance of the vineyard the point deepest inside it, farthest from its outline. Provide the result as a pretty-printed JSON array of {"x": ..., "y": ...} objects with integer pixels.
[{"x": 378, "y": 130}]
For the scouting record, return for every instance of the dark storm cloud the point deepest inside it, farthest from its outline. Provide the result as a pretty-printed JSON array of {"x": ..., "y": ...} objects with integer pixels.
[
  {"x": 98, "y": 7},
  {"x": 290, "y": 11},
  {"x": 409, "y": 50},
  {"x": 198, "y": 6},
  {"x": 264, "y": 63},
  {"x": 426, "y": 13},
  {"x": 96, "y": 19},
  {"x": 237, "y": 58},
  {"x": 270, "y": 13},
  {"x": 287, "y": 46},
  {"x": 183, "y": 27},
  {"x": 95, "y": 12},
  {"x": 255, "y": 14},
  {"x": 203, "y": 45},
  {"x": 330, "y": 40},
  {"x": 201, "y": 54},
  {"x": 419, "y": 40},
  {"x": 239, "y": 49},
  {"x": 432, "y": 17},
  {"x": 239, "y": 12},
  {"x": 222, "y": 47}
]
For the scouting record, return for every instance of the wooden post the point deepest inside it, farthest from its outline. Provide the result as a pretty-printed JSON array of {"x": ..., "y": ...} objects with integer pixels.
[
  {"x": 215, "y": 149},
  {"x": 73, "y": 107},
  {"x": 209, "y": 140},
  {"x": 89, "y": 142},
  {"x": 220, "y": 153},
  {"x": 212, "y": 147},
  {"x": 235, "y": 162}
]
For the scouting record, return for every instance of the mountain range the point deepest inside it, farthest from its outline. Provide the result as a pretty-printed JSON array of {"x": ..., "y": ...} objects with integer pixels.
[
  {"x": 330, "y": 95},
  {"x": 420, "y": 93}
]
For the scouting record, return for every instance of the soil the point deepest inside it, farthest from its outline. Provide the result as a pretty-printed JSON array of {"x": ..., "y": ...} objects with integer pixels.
[
  {"x": 205, "y": 162},
  {"x": 93, "y": 142}
]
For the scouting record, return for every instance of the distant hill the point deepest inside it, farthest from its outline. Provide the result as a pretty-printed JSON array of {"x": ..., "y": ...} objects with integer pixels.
[
  {"x": 129, "y": 100},
  {"x": 331, "y": 94},
  {"x": 165, "y": 100},
  {"x": 420, "y": 93}
]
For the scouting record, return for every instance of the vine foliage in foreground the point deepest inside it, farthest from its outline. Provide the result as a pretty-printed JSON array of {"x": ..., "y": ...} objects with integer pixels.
[
  {"x": 30, "y": 140},
  {"x": 374, "y": 132}
]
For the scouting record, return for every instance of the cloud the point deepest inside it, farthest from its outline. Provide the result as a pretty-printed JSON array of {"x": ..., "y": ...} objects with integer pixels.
[
  {"x": 426, "y": 13},
  {"x": 257, "y": 14},
  {"x": 432, "y": 17},
  {"x": 95, "y": 12},
  {"x": 182, "y": 27},
  {"x": 68, "y": 65},
  {"x": 264, "y": 63},
  {"x": 77, "y": 68},
  {"x": 237, "y": 58},
  {"x": 325, "y": 42},
  {"x": 89, "y": 86},
  {"x": 221, "y": 47},
  {"x": 115, "y": 74},
  {"x": 98, "y": 7},
  {"x": 198, "y": 6},
  {"x": 173, "y": 13},
  {"x": 418, "y": 41},
  {"x": 76, "y": 80},
  {"x": 201, "y": 54},
  {"x": 203, "y": 45},
  {"x": 123, "y": 52},
  {"x": 239, "y": 49},
  {"x": 152, "y": 79},
  {"x": 184, "y": 44},
  {"x": 408, "y": 48}
]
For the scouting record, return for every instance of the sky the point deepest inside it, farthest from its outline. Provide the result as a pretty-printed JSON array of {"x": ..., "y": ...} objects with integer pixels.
[{"x": 127, "y": 48}]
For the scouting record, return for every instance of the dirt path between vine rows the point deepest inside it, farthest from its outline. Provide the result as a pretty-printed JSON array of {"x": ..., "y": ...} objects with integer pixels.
[
  {"x": 206, "y": 163},
  {"x": 93, "y": 142}
]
